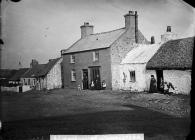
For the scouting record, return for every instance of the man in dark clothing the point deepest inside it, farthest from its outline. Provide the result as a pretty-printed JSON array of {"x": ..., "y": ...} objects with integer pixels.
[
  {"x": 153, "y": 87},
  {"x": 97, "y": 83}
]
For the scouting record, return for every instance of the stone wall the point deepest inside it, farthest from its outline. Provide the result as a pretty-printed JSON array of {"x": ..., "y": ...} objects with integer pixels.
[
  {"x": 119, "y": 49},
  {"x": 53, "y": 78}
]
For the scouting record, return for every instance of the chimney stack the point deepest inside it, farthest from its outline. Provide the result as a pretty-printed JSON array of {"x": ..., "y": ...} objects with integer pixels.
[
  {"x": 131, "y": 23},
  {"x": 168, "y": 28},
  {"x": 86, "y": 30},
  {"x": 33, "y": 63},
  {"x": 152, "y": 40}
]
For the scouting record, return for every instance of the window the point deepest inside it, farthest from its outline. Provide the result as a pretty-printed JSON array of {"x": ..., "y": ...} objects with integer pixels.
[
  {"x": 132, "y": 76},
  {"x": 73, "y": 75},
  {"x": 72, "y": 58},
  {"x": 95, "y": 56}
]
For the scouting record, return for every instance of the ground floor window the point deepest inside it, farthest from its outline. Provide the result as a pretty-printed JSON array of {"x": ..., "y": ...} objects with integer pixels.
[
  {"x": 73, "y": 75},
  {"x": 132, "y": 76}
]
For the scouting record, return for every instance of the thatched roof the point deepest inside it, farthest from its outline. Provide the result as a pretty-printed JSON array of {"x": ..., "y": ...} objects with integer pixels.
[
  {"x": 7, "y": 73},
  {"x": 174, "y": 54},
  {"x": 18, "y": 74}
]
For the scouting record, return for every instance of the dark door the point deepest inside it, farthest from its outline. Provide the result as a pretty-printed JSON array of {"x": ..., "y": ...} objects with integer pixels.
[
  {"x": 20, "y": 89},
  {"x": 159, "y": 74},
  {"x": 85, "y": 79},
  {"x": 95, "y": 77}
]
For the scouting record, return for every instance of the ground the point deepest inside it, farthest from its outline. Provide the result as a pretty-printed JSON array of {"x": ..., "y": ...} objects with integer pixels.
[{"x": 36, "y": 114}]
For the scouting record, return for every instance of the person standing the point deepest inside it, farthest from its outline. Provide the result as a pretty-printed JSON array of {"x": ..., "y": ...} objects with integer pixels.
[
  {"x": 97, "y": 83},
  {"x": 153, "y": 87}
]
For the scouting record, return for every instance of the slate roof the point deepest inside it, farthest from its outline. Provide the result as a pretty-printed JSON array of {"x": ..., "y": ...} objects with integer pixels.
[
  {"x": 99, "y": 41},
  {"x": 48, "y": 67},
  {"x": 18, "y": 74},
  {"x": 174, "y": 54},
  {"x": 141, "y": 54},
  {"x": 40, "y": 69}
]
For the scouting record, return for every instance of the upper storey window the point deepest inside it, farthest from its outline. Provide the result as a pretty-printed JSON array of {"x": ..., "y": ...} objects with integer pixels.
[
  {"x": 72, "y": 58},
  {"x": 95, "y": 56}
]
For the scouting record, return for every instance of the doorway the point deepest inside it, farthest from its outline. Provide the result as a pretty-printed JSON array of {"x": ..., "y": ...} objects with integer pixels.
[
  {"x": 95, "y": 77},
  {"x": 85, "y": 79},
  {"x": 159, "y": 75}
]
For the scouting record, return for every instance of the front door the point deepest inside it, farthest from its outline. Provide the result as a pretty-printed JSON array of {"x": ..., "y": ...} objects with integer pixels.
[
  {"x": 159, "y": 74},
  {"x": 85, "y": 79},
  {"x": 95, "y": 77}
]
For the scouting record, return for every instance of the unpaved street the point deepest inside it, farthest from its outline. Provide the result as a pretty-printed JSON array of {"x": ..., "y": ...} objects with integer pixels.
[{"x": 84, "y": 112}]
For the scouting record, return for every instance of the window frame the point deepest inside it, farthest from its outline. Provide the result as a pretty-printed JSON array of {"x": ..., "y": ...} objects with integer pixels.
[
  {"x": 73, "y": 75},
  {"x": 96, "y": 57},
  {"x": 72, "y": 58},
  {"x": 132, "y": 76}
]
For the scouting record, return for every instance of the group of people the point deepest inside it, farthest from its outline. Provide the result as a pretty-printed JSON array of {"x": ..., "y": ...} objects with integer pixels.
[
  {"x": 96, "y": 84},
  {"x": 165, "y": 87}
]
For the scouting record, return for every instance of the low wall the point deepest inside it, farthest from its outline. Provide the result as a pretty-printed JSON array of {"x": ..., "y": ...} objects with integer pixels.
[{"x": 13, "y": 89}]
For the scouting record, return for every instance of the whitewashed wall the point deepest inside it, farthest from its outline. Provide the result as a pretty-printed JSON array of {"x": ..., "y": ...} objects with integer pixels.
[
  {"x": 180, "y": 79},
  {"x": 54, "y": 78},
  {"x": 13, "y": 89},
  {"x": 142, "y": 76},
  {"x": 25, "y": 88},
  {"x": 139, "y": 83}
]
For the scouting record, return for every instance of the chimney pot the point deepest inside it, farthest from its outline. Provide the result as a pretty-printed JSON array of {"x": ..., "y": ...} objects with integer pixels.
[
  {"x": 168, "y": 28},
  {"x": 152, "y": 40}
]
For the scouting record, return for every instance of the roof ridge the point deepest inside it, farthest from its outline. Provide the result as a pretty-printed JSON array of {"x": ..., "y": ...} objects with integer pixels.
[{"x": 107, "y": 31}]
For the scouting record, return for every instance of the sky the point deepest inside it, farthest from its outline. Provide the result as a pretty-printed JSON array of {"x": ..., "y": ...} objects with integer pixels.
[{"x": 39, "y": 29}]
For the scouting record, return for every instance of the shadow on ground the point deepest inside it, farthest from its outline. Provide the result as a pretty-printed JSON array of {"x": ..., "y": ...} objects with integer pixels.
[{"x": 138, "y": 120}]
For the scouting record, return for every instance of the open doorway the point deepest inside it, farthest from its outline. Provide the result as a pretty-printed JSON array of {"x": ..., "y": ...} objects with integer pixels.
[
  {"x": 85, "y": 79},
  {"x": 159, "y": 75},
  {"x": 95, "y": 77}
]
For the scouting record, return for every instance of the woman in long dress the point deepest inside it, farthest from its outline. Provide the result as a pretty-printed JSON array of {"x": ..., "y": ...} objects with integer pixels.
[{"x": 153, "y": 87}]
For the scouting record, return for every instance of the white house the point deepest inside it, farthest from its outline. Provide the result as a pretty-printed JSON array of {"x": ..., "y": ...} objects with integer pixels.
[
  {"x": 44, "y": 76},
  {"x": 133, "y": 74}
]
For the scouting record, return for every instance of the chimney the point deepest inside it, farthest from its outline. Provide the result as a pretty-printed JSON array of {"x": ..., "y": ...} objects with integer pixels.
[
  {"x": 152, "y": 40},
  {"x": 86, "y": 30},
  {"x": 131, "y": 23},
  {"x": 33, "y": 63},
  {"x": 168, "y": 35},
  {"x": 168, "y": 28}
]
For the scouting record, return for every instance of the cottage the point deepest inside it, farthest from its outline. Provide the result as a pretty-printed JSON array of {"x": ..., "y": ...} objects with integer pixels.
[
  {"x": 97, "y": 57},
  {"x": 133, "y": 74},
  {"x": 5, "y": 75},
  {"x": 15, "y": 79},
  {"x": 173, "y": 63},
  {"x": 44, "y": 76}
]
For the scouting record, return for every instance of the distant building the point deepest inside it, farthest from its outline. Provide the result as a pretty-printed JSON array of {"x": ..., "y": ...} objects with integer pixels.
[
  {"x": 98, "y": 56},
  {"x": 5, "y": 75},
  {"x": 44, "y": 76}
]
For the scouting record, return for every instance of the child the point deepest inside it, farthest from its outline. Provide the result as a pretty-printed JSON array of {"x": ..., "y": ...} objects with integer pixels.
[{"x": 103, "y": 84}]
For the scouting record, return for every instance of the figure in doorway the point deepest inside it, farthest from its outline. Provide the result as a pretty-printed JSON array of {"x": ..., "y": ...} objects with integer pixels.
[
  {"x": 153, "y": 86},
  {"x": 97, "y": 82},
  {"x": 85, "y": 81}
]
